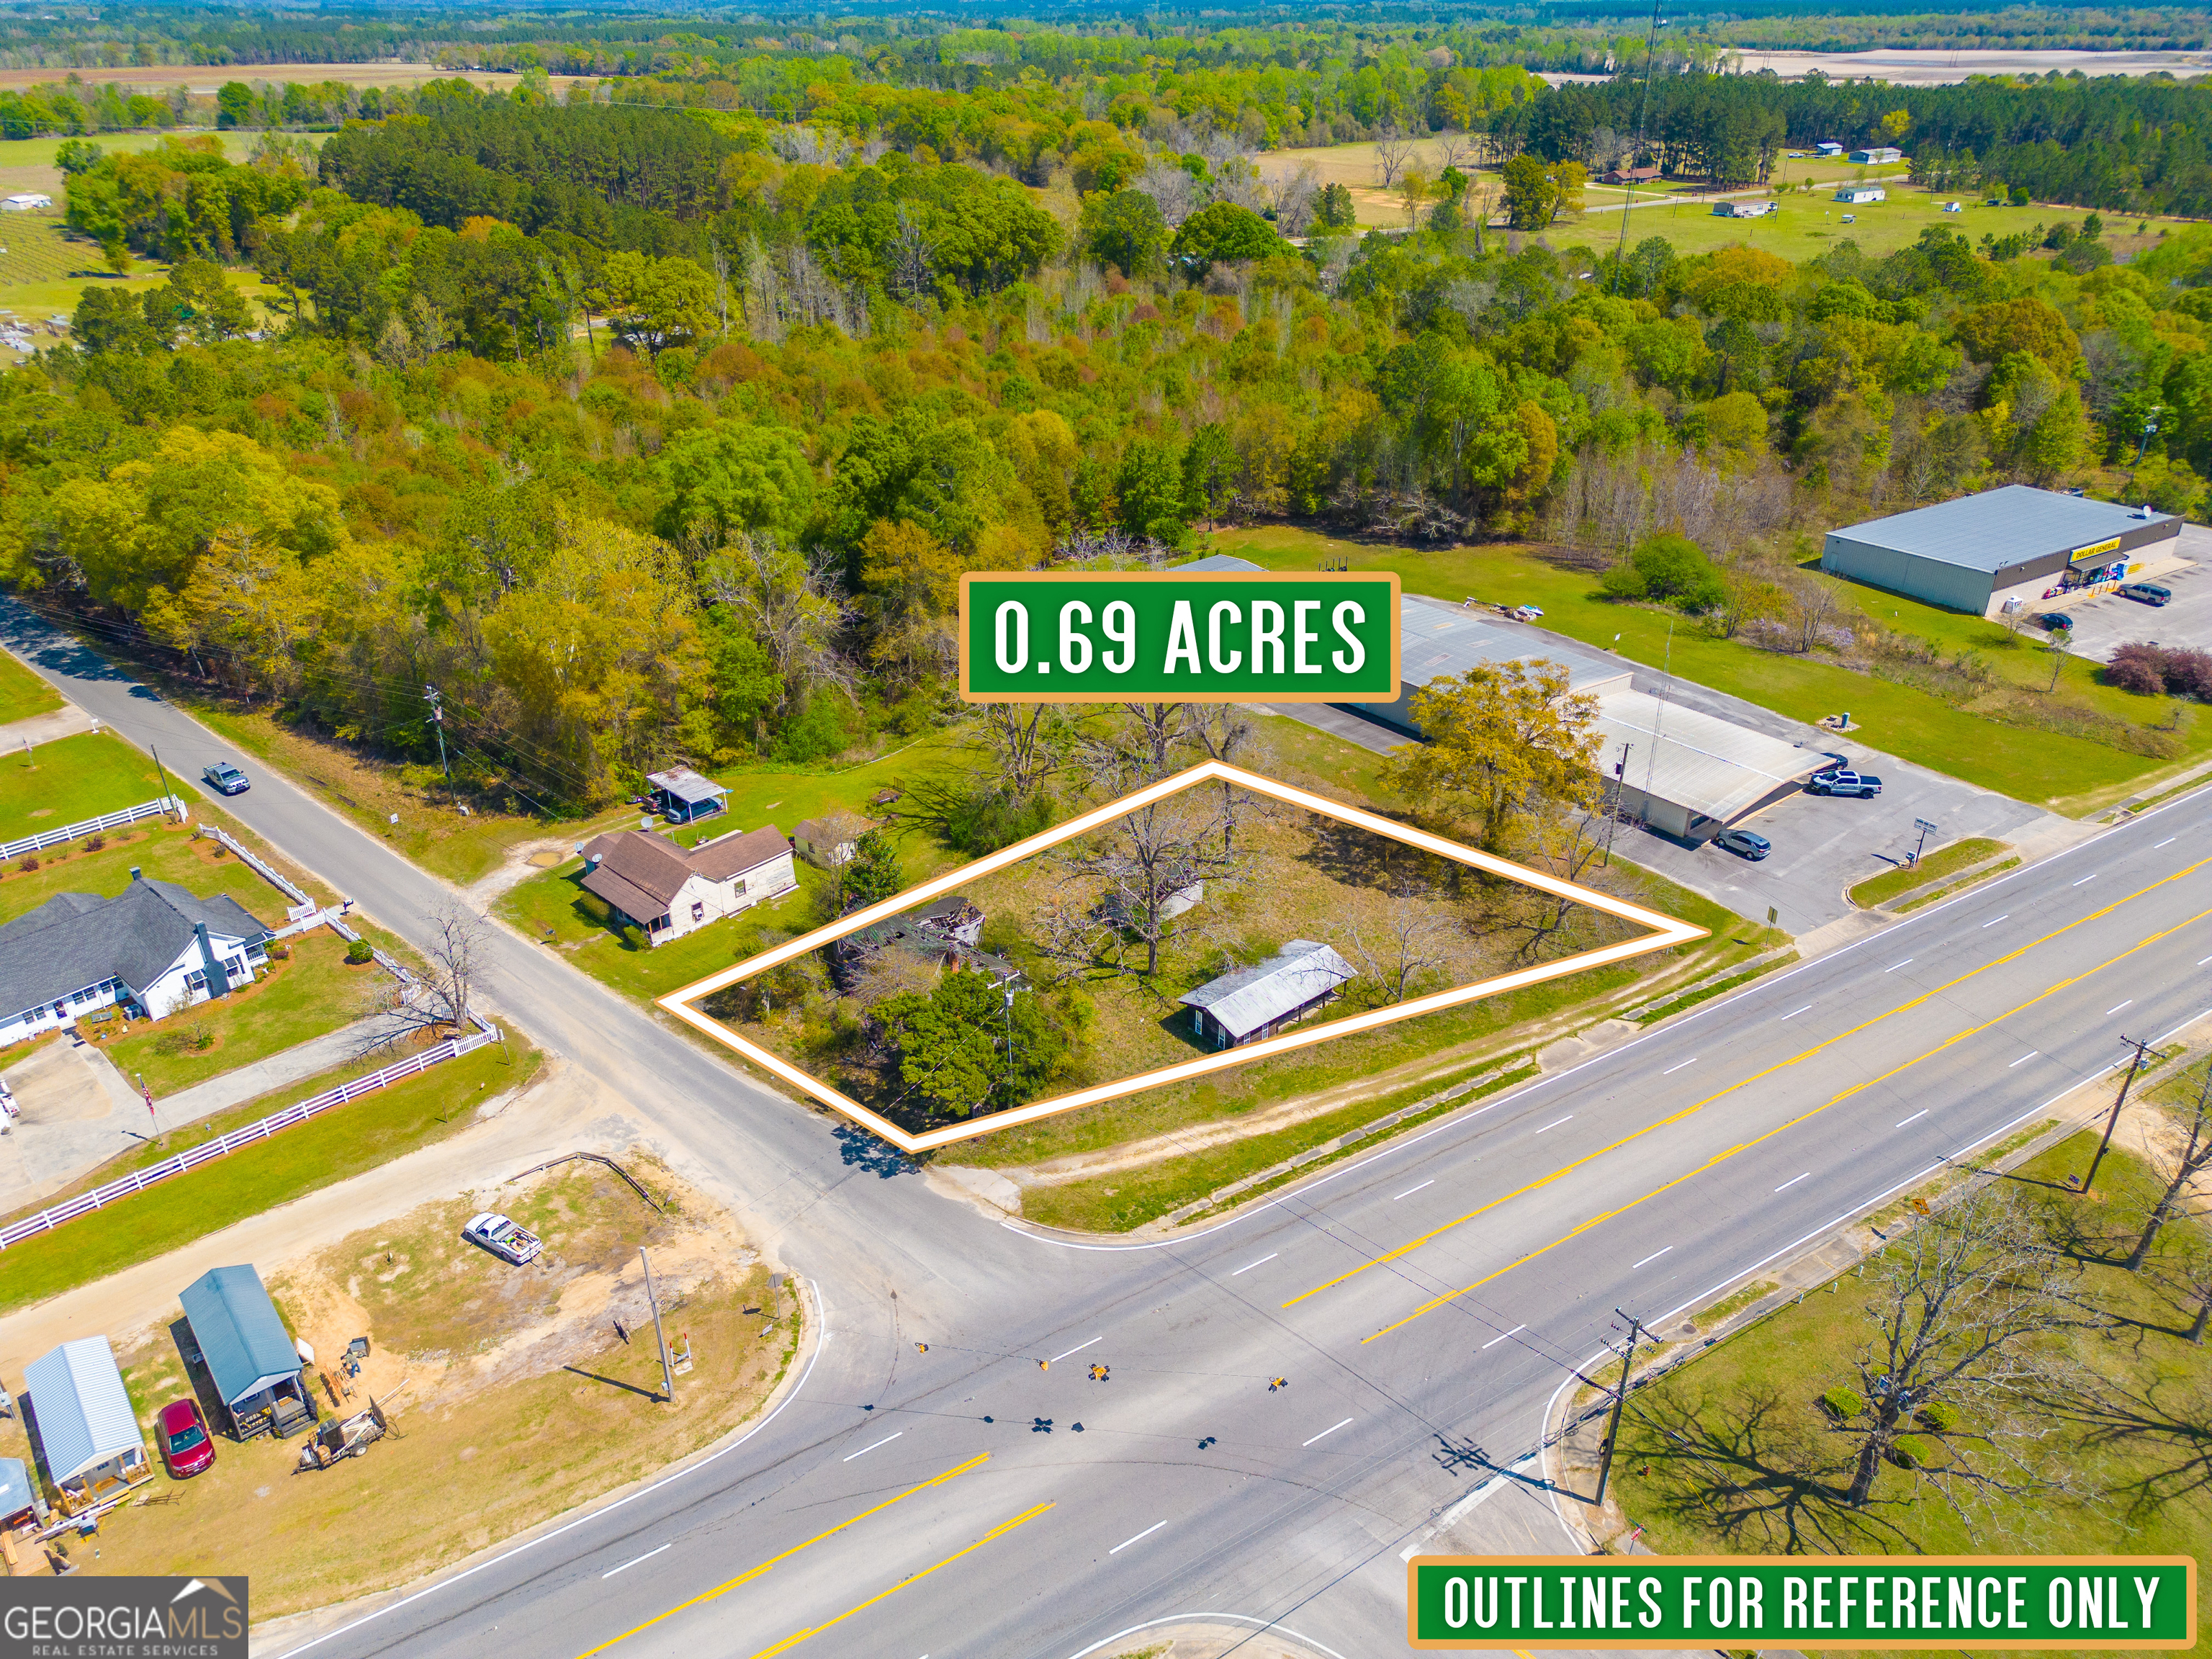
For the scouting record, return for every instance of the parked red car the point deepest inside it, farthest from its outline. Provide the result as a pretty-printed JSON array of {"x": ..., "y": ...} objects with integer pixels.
[{"x": 185, "y": 1447}]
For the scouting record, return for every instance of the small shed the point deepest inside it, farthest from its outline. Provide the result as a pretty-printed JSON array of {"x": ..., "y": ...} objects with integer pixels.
[
  {"x": 831, "y": 839},
  {"x": 20, "y": 1503},
  {"x": 248, "y": 1356},
  {"x": 1257, "y": 1002},
  {"x": 87, "y": 1433},
  {"x": 681, "y": 796}
]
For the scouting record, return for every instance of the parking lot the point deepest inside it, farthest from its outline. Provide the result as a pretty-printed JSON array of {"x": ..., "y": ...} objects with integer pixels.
[
  {"x": 1823, "y": 845},
  {"x": 2108, "y": 621}
]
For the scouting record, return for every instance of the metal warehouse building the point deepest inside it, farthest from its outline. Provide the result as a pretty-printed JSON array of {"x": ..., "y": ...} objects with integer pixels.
[{"x": 2004, "y": 548}]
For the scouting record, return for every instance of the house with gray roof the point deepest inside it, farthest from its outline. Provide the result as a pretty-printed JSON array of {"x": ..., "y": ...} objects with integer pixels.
[
  {"x": 154, "y": 949},
  {"x": 84, "y": 1429},
  {"x": 666, "y": 890},
  {"x": 1254, "y": 1003},
  {"x": 248, "y": 1356}
]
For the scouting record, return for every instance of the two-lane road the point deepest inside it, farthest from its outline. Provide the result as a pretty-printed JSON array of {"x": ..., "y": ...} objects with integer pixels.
[{"x": 1422, "y": 1303}]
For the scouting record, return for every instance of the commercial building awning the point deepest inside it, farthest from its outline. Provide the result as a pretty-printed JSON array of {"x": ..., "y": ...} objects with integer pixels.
[{"x": 1713, "y": 768}]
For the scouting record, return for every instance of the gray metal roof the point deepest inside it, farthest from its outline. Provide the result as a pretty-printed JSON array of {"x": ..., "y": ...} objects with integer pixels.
[
  {"x": 2002, "y": 527},
  {"x": 1695, "y": 760},
  {"x": 686, "y": 785},
  {"x": 77, "y": 939},
  {"x": 15, "y": 1493},
  {"x": 1246, "y": 1000},
  {"x": 1438, "y": 639},
  {"x": 84, "y": 1415},
  {"x": 1219, "y": 561},
  {"x": 238, "y": 1330}
]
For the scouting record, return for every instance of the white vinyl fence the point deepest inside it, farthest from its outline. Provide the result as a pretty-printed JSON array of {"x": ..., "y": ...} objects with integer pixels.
[{"x": 69, "y": 832}]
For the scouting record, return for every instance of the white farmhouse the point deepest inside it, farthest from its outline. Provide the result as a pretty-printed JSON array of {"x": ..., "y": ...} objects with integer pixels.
[
  {"x": 155, "y": 948},
  {"x": 656, "y": 885}
]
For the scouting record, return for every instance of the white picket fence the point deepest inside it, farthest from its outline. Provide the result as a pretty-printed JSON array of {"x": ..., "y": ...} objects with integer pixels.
[
  {"x": 46, "y": 1220},
  {"x": 69, "y": 832}
]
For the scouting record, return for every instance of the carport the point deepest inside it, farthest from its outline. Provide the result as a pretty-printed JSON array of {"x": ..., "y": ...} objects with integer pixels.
[
  {"x": 248, "y": 1356},
  {"x": 1691, "y": 774}
]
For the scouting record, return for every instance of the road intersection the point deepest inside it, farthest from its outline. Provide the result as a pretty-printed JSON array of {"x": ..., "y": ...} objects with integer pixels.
[{"x": 1423, "y": 1303}]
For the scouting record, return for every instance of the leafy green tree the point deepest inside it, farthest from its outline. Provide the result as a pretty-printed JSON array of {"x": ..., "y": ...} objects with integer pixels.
[
  {"x": 1669, "y": 567},
  {"x": 746, "y": 685},
  {"x": 963, "y": 1047},
  {"x": 75, "y": 155},
  {"x": 724, "y": 479},
  {"x": 658, "y": 303},
  {"x": 1149, "y": 489},
  {"x": 1222, "y": 232},
  {"x": 1501, "y": 739},
  {"x": 198, "y": 303},
  {"x": 1125, "y": 230},
  {"x": 1333, "y": 209},
  {"x": 871, "y": 875},
  {"x": 109, "y": 321},
  {"x": 1209, "y": 472},
  {"x": 234, "y": 104},
  {"x": 1531, "y": 193}
]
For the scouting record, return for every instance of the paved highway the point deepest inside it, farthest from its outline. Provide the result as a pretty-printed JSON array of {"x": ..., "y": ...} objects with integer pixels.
[{"x": 1424, "y": 1303}]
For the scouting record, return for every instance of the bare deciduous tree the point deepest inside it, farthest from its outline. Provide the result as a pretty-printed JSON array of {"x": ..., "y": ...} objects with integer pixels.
[
  {"x": 1224, "y": 731},
  {"x": 1393, "y": 150},
  {"x": 437, "y": 998},
  {"x": 2180, "y": 1166},
  {"x": 1411, "y": 946},
  {"x": 1812, "y": 603},
  {"x": 1142, "y": 869},
  {"x": 1962, "y": 1309},
  {"x": 1292, "y": 196}
]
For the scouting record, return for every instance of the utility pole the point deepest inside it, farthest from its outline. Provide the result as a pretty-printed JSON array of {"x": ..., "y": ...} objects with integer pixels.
[
  {"x": 1619, "y": 1404},
  {"x": 667, "y": 1374},
  {"x": 431, "y": 695},
  {"x": 2150, "y": 430},
  {"x": 167, "y": 790},
  {"x": 2113, "y": 1121},
  {"x": 1613, "y": 814},
  {"x": 1628, "y": 191}
]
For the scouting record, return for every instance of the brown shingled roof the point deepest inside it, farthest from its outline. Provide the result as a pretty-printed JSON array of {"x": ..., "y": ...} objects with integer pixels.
[{"x": 732, "y": 855}]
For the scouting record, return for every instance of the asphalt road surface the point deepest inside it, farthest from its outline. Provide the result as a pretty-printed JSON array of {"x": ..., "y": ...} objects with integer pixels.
[{"x": 1424, "y": 1303}]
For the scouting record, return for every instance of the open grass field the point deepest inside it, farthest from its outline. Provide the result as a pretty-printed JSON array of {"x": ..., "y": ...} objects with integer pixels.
[
  {"x": 314, "y": 991},
  {"x": 75, "y": 778},
  {"x": 1805, "y": 225},
  {"x": 1730, "y": 1453},
  {"x": 45, "y": 268},
  {"x": 166, "y": 851},
  {"x": 23, "y": 694},
  {"x": 2069, "y": 775},
  {"x": 357, "y": 1136}
]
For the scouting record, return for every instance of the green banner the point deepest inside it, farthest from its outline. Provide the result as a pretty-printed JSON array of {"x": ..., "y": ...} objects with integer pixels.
[
  {"x": 1205, "y": 636},
  {"x": 1802, "y": 1601}
]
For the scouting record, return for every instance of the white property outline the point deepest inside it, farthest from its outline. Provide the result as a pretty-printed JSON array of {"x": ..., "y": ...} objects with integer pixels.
[{"x": 1666, "y": 932}]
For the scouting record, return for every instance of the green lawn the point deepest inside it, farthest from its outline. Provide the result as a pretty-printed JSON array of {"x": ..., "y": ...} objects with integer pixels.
[
  {"x": 1748, "y": 1466},
  {"x": 165, "y": 851},
  {"x": 1804, "y": 225},
  {"x": 355, "y": 1136},
  {"x": 1943, "y": 862},
  {"x": 23, "y": 694},
  {"x": 2066, "y": 773},
  {"x": 314, "y": 992},
  {"x": 73, "y": 779}
]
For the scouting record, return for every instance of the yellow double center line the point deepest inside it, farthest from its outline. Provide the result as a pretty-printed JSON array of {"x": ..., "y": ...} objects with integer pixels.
[
  {"x": 1720, "y": 1158},
  {"x": 1690, "y": 1111},
  {"x": 753, "y": 1573},
  {"x": 990, "y": 1537}
]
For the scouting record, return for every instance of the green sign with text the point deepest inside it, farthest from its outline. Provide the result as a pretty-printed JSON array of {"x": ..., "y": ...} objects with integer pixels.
[
  {"x": 1202, "y": 637},
  {"x": 1802, "y": 1601}
]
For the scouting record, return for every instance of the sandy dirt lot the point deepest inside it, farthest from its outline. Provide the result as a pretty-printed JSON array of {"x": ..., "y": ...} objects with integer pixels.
[{"x": 533, "y": 1387}]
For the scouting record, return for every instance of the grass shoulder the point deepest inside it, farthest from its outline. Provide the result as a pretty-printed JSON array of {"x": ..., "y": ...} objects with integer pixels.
[
  {"x": 1734, "y": 1452},
  {"x": 23, "y": 694},
  {"x": 1943, "y": 862},
  {"x": 72, "y": 779},
  {"x": 357, "y": 1136}
]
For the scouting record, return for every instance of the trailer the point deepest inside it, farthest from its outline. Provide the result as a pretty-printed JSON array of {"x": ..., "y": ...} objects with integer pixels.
[{"x": 339, "y": 1439}]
